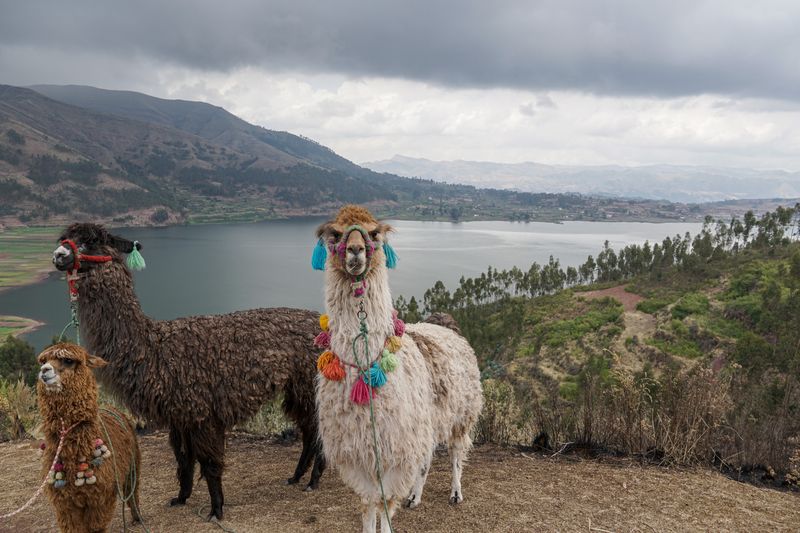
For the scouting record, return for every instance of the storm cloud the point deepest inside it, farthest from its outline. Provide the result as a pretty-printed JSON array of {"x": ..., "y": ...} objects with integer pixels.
[{"x": 615, "y": 48}]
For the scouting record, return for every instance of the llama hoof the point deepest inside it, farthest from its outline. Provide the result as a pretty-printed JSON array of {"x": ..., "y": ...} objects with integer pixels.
[
  {"x": 177, "y": 501},
  {"x": 292, "y": 481},
  {"x": 456, "y": 498},
  {"x": 411, "y": 502},
  {"x": 215, "y": 515},
  {"x": 309, "y": 488}
]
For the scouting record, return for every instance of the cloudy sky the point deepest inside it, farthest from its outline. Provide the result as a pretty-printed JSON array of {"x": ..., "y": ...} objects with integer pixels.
[{"x": 563, "y": 81}]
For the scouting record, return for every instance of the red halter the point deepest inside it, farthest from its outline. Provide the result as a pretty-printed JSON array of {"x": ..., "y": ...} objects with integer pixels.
[{"x": 72, "y": 274}]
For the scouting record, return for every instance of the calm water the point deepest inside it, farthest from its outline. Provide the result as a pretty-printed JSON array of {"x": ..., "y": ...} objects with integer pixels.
[{"x": 194, "y": 270}]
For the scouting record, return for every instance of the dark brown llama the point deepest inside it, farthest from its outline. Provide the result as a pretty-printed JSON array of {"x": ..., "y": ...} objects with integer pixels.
[{"x": 198, "y": 375}]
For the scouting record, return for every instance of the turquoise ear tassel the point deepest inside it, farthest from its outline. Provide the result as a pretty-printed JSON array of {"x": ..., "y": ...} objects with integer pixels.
[
  {"x": 319, "y": 256},
  {"x": 135, "y": 260},
  {"x": 391, "y": 256}
]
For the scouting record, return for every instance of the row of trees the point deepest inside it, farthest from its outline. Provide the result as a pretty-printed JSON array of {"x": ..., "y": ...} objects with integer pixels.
[{"x": 715, "y": 239}]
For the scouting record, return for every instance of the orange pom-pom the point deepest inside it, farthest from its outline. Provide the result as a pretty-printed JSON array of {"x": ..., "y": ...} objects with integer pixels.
[
  {"x": 334, "y": 370},
  {"x": 324, "y": 359},
  {"x": 393, "y": 344}
]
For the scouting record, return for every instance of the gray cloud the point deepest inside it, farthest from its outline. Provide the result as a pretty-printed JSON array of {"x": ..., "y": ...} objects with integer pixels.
[{"x": 614, "y": 47}]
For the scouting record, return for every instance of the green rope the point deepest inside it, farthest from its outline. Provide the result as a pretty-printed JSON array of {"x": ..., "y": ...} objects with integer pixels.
[
  {"x": 73, "y": 321},
  {"x": 132, "y": 477},
  {"x": 364, "y": 334}
]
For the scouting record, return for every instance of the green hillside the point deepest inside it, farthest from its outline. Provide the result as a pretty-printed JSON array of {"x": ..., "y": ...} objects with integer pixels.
[
  {"x": 122, "y": 157},
  {"x": 684, "y": 351}
]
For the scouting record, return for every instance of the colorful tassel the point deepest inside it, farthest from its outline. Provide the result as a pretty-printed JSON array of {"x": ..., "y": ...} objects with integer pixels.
[
  {"x": 334, "y": 370},
  {"x": 135, "y": 260},
  {"x": 359, "y": 394},
  {"x": 325, "y": 359},
  {"x": 375, "y": 375},
  {"x": 388, "y": 361},
  {"x": 323, "y": 340},
  {"x": 318, "y": 256},
  {"x": 393, "y": 344},
  {"x": 391, "y": 256},
  {"x": 399, "y": 327},
  {"x": 323, "y": 322}
]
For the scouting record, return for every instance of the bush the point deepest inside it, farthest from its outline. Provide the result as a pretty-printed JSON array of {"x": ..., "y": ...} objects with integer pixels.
[
  {"x": 499, "y": 419},
  {"x": 18, "y": 410},
  {"x": 18, "y": 361},
  {"x": 691, "y": 304},
  {"x": 14, "y": 137},
  {"x": 652, "y": 305}
]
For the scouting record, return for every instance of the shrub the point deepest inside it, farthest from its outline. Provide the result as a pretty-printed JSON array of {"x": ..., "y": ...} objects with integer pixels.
[
  {"x": 18, "y": 408},
  {"x": 691, "y": 304},
  {"x": 499, "y": 419}
]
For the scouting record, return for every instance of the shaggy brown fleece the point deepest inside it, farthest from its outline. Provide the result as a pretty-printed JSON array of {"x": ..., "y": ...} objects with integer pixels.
[
  {"x": 88, "y": 507},
  {"x": 198, "y": 375}
]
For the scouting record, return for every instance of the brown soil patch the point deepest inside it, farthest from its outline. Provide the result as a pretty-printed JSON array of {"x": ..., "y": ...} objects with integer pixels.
[
  {"x": 505, "y": 491},
  {"x": 627, "y": 299}
]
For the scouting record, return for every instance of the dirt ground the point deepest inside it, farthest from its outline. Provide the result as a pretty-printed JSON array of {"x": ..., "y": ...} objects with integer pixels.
[
  {"x": 505, "y": 490},
  {"x": 627, "y": 299}
]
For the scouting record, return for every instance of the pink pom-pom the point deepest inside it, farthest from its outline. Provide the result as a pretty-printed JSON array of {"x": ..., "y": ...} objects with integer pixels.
[
  {"x": 323, "y": 340},
  {"x": 42, "y": 446},
  {"x": 98, "y": 442},
  {"x": 359, "y": 394},
  {"x": 59, "y": 467},
  {"x": 359, "y": 292},
  {"x": 399, "y": 327}
]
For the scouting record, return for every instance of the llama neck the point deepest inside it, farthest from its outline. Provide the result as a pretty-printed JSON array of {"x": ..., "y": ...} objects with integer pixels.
[
  {"x": 111, "y": 320},
  {"x": 342, "y": 308},
  {"x": 69, "y": 407}
]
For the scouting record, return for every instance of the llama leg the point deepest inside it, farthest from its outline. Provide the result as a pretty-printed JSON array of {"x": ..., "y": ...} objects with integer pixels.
[
  {"x": 319, "y": 467},
  {"x": 185, "y": 456},
  {"x": 391, "y": 504},
  {"x": 415, "y": 498},
  {"x": 305, "y": 458},
  {"x": 458, "y": 454},
  {"x": 368, "y": 516},
  {"x": 210, "y": 449}
]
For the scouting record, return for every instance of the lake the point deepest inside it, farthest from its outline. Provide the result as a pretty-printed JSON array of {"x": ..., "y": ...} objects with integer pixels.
[{"x": 195, "y": 270}]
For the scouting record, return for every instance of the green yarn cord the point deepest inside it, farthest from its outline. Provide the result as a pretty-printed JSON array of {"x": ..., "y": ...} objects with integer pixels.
[{"x": 135, "y": 260}]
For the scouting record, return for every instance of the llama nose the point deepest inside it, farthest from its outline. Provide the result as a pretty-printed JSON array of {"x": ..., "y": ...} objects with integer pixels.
[{"x": 355, "y": 249}]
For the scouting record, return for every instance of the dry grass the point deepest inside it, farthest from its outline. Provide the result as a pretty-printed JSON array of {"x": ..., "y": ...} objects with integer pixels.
[{"x": 505, "y": 491}]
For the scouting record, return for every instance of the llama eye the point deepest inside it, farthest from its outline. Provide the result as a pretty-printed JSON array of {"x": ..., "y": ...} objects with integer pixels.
[
  {"x": 68, "y": 362},
  {"x": 336, "y": 235}
]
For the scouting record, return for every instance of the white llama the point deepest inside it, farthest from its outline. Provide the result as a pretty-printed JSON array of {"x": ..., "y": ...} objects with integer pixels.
[{"x": 427, "y": 384}]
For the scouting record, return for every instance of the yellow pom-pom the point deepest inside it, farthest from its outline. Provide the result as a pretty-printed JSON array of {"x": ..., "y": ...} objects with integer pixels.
[
  {"x": 323, "y": 322},
  {"x": 324, "y": 359},
  {"x": 393, "y": 344}
]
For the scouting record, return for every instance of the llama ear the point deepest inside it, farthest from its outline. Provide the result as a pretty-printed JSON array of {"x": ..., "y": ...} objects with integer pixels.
[
  {"x": 95, "y": 362},
  {"x": 319, "y": 255}
]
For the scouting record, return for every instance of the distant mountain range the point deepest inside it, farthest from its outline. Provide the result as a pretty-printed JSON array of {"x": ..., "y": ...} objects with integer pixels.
[
  {"x": 658, "y": 182},
  {"x": 75, "y": 152}
]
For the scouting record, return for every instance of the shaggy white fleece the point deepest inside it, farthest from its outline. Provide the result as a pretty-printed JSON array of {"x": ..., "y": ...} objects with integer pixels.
[{"x": 433, "y": 396}]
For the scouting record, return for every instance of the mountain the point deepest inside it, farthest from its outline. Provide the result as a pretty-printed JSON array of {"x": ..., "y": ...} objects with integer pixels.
[
  {"x": 658, "y": 182},
  {"x": 74, "y": 152}
]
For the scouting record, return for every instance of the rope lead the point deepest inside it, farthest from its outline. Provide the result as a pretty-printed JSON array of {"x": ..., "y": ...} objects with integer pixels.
[{"x": 364, "y": 334}]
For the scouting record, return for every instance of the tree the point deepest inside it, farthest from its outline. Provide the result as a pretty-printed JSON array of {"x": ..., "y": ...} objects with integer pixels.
[{"x": 18, "y": 361}]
